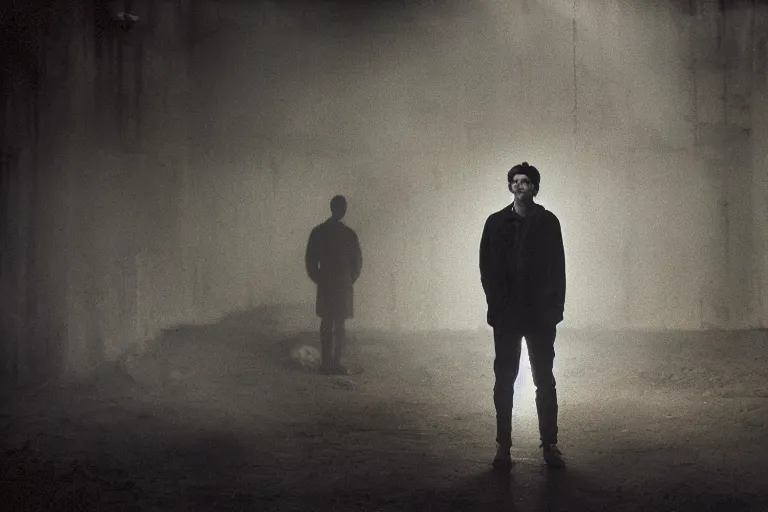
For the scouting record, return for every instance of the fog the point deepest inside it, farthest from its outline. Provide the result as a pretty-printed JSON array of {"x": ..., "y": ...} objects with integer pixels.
[
  {"x": 169, "y": 174},
  {"x": 416, "y": 111},
  {"x": 161, "y": 174}
]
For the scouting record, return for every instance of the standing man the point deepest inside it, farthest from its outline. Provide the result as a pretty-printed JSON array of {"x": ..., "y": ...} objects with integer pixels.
[
  {"x": 334, "y": 261},
  {"x": 522, "y": 270}
]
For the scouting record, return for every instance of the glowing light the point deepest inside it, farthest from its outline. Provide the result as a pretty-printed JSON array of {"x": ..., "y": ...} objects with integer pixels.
[{"x": 525, "y": 391}]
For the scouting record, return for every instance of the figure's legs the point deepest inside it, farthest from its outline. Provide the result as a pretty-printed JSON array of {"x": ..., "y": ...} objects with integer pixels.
[
  {"x": 541, "y": 352},
  {"x": 339, "y": 340},
  {"x": 326, "y": 343},
  {"x": 506, "y": 365}
]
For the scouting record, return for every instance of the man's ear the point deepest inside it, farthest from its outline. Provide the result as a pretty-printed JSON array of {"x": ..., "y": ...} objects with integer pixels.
[{"x": 509, "y": 186}]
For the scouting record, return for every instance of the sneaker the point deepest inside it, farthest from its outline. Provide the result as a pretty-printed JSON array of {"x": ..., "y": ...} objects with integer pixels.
[
  {"x": 553, "y": 456},
  {"x": 502, "y": 460}
]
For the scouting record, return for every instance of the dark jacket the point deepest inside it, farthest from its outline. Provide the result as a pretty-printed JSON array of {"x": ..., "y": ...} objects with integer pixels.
[
  {"x": 522, "y": 266},
  {"x": 333, "y": 261}
]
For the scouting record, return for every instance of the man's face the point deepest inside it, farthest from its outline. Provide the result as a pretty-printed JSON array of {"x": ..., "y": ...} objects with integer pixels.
[{"x": 522, "y": 187}]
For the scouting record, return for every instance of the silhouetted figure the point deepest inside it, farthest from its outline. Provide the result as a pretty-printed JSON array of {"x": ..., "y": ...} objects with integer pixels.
[
  {"x": 334, "y": 261},
  {"x": 522, "y": 270}
]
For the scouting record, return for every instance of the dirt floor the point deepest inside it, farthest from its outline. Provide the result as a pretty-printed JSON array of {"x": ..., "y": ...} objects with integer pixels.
[{"x": 228, "y": 417}]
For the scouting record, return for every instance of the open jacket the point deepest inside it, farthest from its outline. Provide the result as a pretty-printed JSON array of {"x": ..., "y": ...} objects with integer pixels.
[
  {"x": 334, "y": 261},
  {"x": 522, "y": 266}
]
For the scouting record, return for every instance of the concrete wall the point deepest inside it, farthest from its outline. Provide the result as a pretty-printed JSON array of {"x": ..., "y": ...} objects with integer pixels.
[
  {"x": 171, "y": 174},
  {"x": 759, "y": 184},
  {"x": 639, "y": 116},
  {"x": 97, "y": 120}
]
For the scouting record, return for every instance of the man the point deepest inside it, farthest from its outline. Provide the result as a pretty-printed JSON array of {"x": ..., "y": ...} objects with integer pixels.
[
  {"x": 522, "y": 270},
  {"x": 333, "y": 261}
]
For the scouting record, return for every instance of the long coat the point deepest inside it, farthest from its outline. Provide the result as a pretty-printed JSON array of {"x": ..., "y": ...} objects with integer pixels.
[
  {"x": 334, "y": 262},
  {"x": 522, "y": 266}
]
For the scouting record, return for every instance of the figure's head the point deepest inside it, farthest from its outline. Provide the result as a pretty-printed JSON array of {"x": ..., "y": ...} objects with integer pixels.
[
  {"x": 338, "y": 207},
  {"x": 523, "y": 181}
]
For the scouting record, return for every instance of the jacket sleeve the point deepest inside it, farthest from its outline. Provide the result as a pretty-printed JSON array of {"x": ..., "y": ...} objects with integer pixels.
[
  {"x": 311, "y": 257},
  {"x": 558, "y": 264},
  {"x": 486, "y": 277},
  {"x": 357, "y": 259}
]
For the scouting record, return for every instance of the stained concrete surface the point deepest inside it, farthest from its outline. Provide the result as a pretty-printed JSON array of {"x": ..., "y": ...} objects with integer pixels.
[{"x": 224, "y": 417}]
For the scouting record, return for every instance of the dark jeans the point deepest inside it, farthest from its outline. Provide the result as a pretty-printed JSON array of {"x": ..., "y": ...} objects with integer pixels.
[
  {"x": 332, "y": 340},
  {"x": 540, "y": 340}
]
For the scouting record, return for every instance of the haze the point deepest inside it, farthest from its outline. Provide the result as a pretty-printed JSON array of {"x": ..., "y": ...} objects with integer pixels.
[{"x": 167, "y": 176}]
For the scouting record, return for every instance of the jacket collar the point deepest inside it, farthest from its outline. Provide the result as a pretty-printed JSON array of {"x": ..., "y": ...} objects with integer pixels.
[{"x": 510, "y": 212}]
